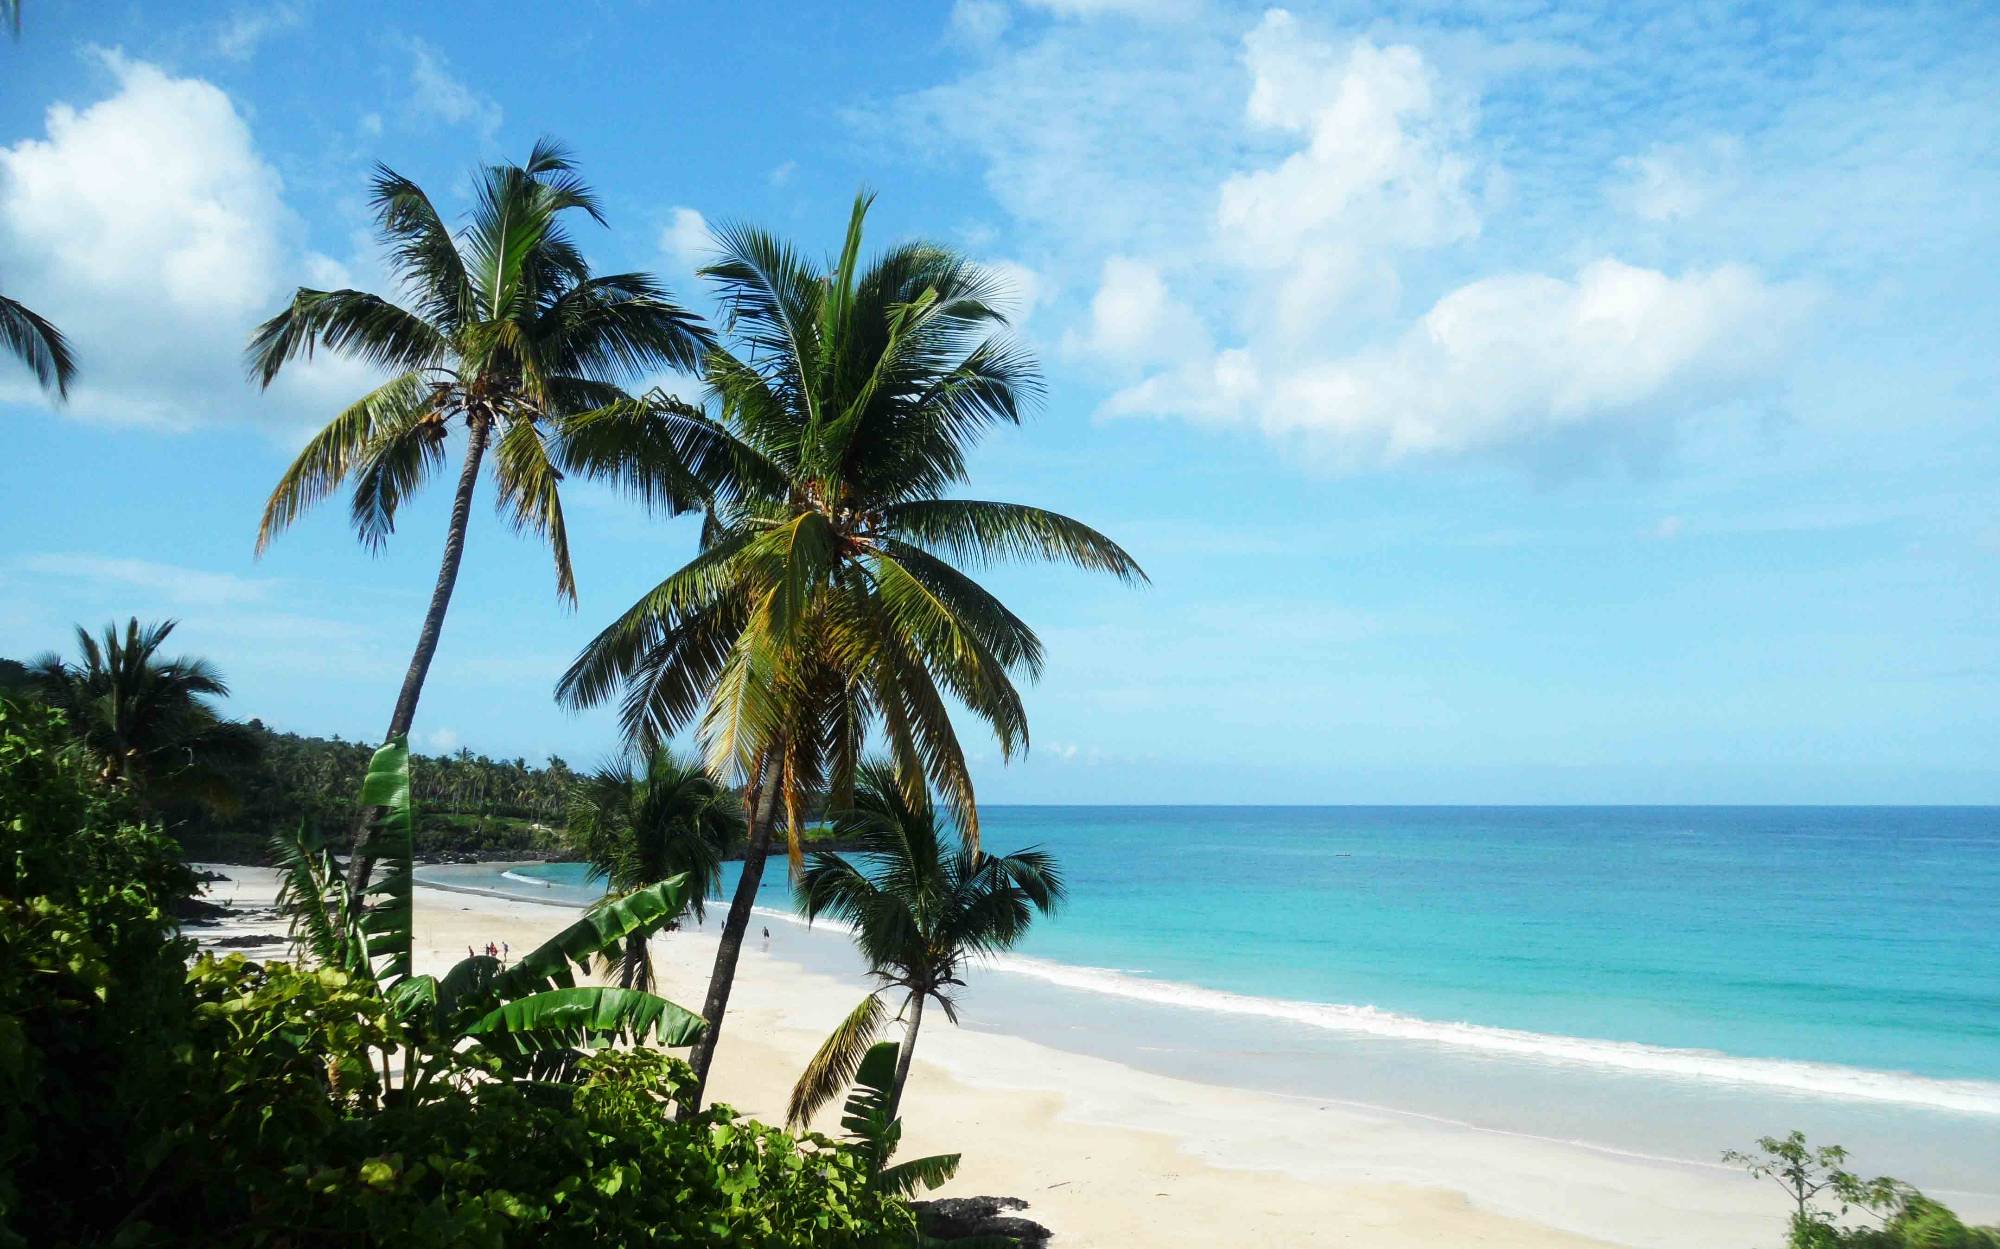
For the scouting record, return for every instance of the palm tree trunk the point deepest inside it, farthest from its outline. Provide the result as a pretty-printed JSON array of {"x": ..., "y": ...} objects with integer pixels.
[
  {"x": 909, "y": 1048},
  {"x": 478, "y": 429},
  {"x": 762, "y": 816}
]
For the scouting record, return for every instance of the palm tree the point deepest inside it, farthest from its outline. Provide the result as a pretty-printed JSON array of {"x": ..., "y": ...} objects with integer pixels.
[
  {"x": 508, "y": 334},
  {"x": 638, "y": 827},
  {"x": 920, "y": 911},
  {"x": 827, "y": 602},
  {"x": 148, "y": 719}
]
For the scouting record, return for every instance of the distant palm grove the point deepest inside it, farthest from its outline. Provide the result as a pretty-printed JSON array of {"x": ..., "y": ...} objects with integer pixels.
[{"x": 812, "y": 647}]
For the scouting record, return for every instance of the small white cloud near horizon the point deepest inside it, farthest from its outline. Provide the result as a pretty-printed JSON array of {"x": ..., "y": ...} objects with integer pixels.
[{"x": 441, "y": 741}]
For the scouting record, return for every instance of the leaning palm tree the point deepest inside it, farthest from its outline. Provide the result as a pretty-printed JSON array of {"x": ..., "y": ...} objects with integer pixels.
[
  {"x": 505, "y": 333},
  {"x": 149, "y": 720},
  {"x": 828, "y": 601},
  {"x": 920, "y": 910},
  {"x": 37, "y": 344},
  {"x": 636, "y": 827}
]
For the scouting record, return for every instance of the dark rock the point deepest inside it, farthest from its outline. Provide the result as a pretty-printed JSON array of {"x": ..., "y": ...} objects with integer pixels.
[
  {"x": 209, "y": 878},
  {"x": 247, "y": 941},
  {"x": 195, "y": 911},
  {"x": 959, "y": 1218}
]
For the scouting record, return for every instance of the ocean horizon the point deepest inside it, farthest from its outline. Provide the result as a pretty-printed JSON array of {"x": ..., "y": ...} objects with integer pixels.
[{"x": 1664, "y": 980}]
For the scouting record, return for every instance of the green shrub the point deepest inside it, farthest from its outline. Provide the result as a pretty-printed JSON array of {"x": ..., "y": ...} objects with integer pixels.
[
  {"x": 93, "y": 1000},
  {"x": 147, "y": 1103}
]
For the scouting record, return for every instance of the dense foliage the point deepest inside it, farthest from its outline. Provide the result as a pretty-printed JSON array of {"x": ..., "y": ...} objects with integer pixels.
[
  {"x": 466, "y": 803},
  {"x": 146, "y": 1104}
]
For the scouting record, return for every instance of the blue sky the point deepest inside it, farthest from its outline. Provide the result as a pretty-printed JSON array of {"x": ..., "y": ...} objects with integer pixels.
[{"x": 1511, "y": 403}]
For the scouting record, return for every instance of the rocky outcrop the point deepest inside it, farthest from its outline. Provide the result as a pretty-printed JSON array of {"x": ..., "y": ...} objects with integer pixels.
[{"x": 961, "y": 1218}]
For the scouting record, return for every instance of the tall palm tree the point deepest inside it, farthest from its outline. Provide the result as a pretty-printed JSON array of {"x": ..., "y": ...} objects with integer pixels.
[
  {"x": 921, "y": 909},
  {"x": 828, "y": 602},
  {"x": 149, "y": 720},
  {"x": 636, "y": 827},
  {"x": 507, "y": 334}
]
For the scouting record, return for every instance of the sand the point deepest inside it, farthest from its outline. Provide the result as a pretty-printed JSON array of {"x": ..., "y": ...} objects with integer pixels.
[{"x": 1108, "y": 1156}]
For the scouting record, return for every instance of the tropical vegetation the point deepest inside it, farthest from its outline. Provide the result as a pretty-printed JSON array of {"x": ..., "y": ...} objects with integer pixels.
[
  {"x": 830, "y": 599},
  {"x": 921, "y": 906},
  {"x": 507, "y": 336},
  {"x": 150, "y": 722},
  {"x": 639, "y": 826},
  {"x": 343, "y": 1099}
]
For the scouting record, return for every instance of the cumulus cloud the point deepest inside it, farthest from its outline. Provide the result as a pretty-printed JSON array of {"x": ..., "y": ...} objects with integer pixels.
[
  {"x": 1513, "y": 360},
  {"x": 1135, "y": 319},
  {"x": 1379, "y": 171},
  {"x": 148, "y": 227},
  {"x": 686, "y": 238}
]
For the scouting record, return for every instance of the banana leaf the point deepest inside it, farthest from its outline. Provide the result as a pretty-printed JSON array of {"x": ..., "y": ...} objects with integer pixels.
[
  {"x": 554, "y": 963},
  {"x": 587, "y": 1017},
  {"x": 386, "y": 915}
]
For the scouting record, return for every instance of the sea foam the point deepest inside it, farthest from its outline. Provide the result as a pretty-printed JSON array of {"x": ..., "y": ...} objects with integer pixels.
[{"x": 1976, "y": 1097}]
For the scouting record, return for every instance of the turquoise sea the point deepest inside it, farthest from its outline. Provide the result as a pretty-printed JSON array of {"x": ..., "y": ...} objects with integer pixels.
[{"x": 1669, "y": 981}]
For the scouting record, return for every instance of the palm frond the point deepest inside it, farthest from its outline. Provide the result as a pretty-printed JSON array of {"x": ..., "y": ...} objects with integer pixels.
[
  {"x": 833, "y": 1065},
  {"x": 335, "y": 450},
  {"x": 37, "y": 343}
]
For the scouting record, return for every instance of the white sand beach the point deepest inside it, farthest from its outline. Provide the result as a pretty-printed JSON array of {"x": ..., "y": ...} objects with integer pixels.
[{"x": 1109, "y": 1156}]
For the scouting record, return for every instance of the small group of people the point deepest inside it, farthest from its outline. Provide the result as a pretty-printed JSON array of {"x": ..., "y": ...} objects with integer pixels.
[{"x": 492, "y": 951}]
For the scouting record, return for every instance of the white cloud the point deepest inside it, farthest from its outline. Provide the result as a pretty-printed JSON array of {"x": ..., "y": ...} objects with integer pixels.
[
  {"x": 686, "y": 238},
  {"x": 1154, "y": 9},
  {"x": 246, "y": 29},
  {"x": 1515, "y": 360},
  {"x": 1379, "y": 173},
  {"x": 1674, "y": 182},
  {"x": 1668, "y": 528},
  {"x": 440, "y": 741},
  {"x": 442, "y": 96},
  {"x": 1135, "y": 319},
  {"x": 1252, "y": 242},
  {"x": 1021, "y": 289},
  {"x": 979, "y": 22},
  {"x": 173, "y": 582},
  {"x": 148, "y": 227},
  {"x": 781, "y": 175}
]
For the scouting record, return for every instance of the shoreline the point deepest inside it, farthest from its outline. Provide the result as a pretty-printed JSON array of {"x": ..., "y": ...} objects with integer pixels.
[{"x": 1111, "y": 1154}]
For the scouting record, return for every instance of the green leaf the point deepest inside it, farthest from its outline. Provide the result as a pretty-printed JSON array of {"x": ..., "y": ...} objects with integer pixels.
[
  {"x": 386, "y": 914},
  {"x": 585, "y": 1017},
  {"x": 553, "y": 964}
]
